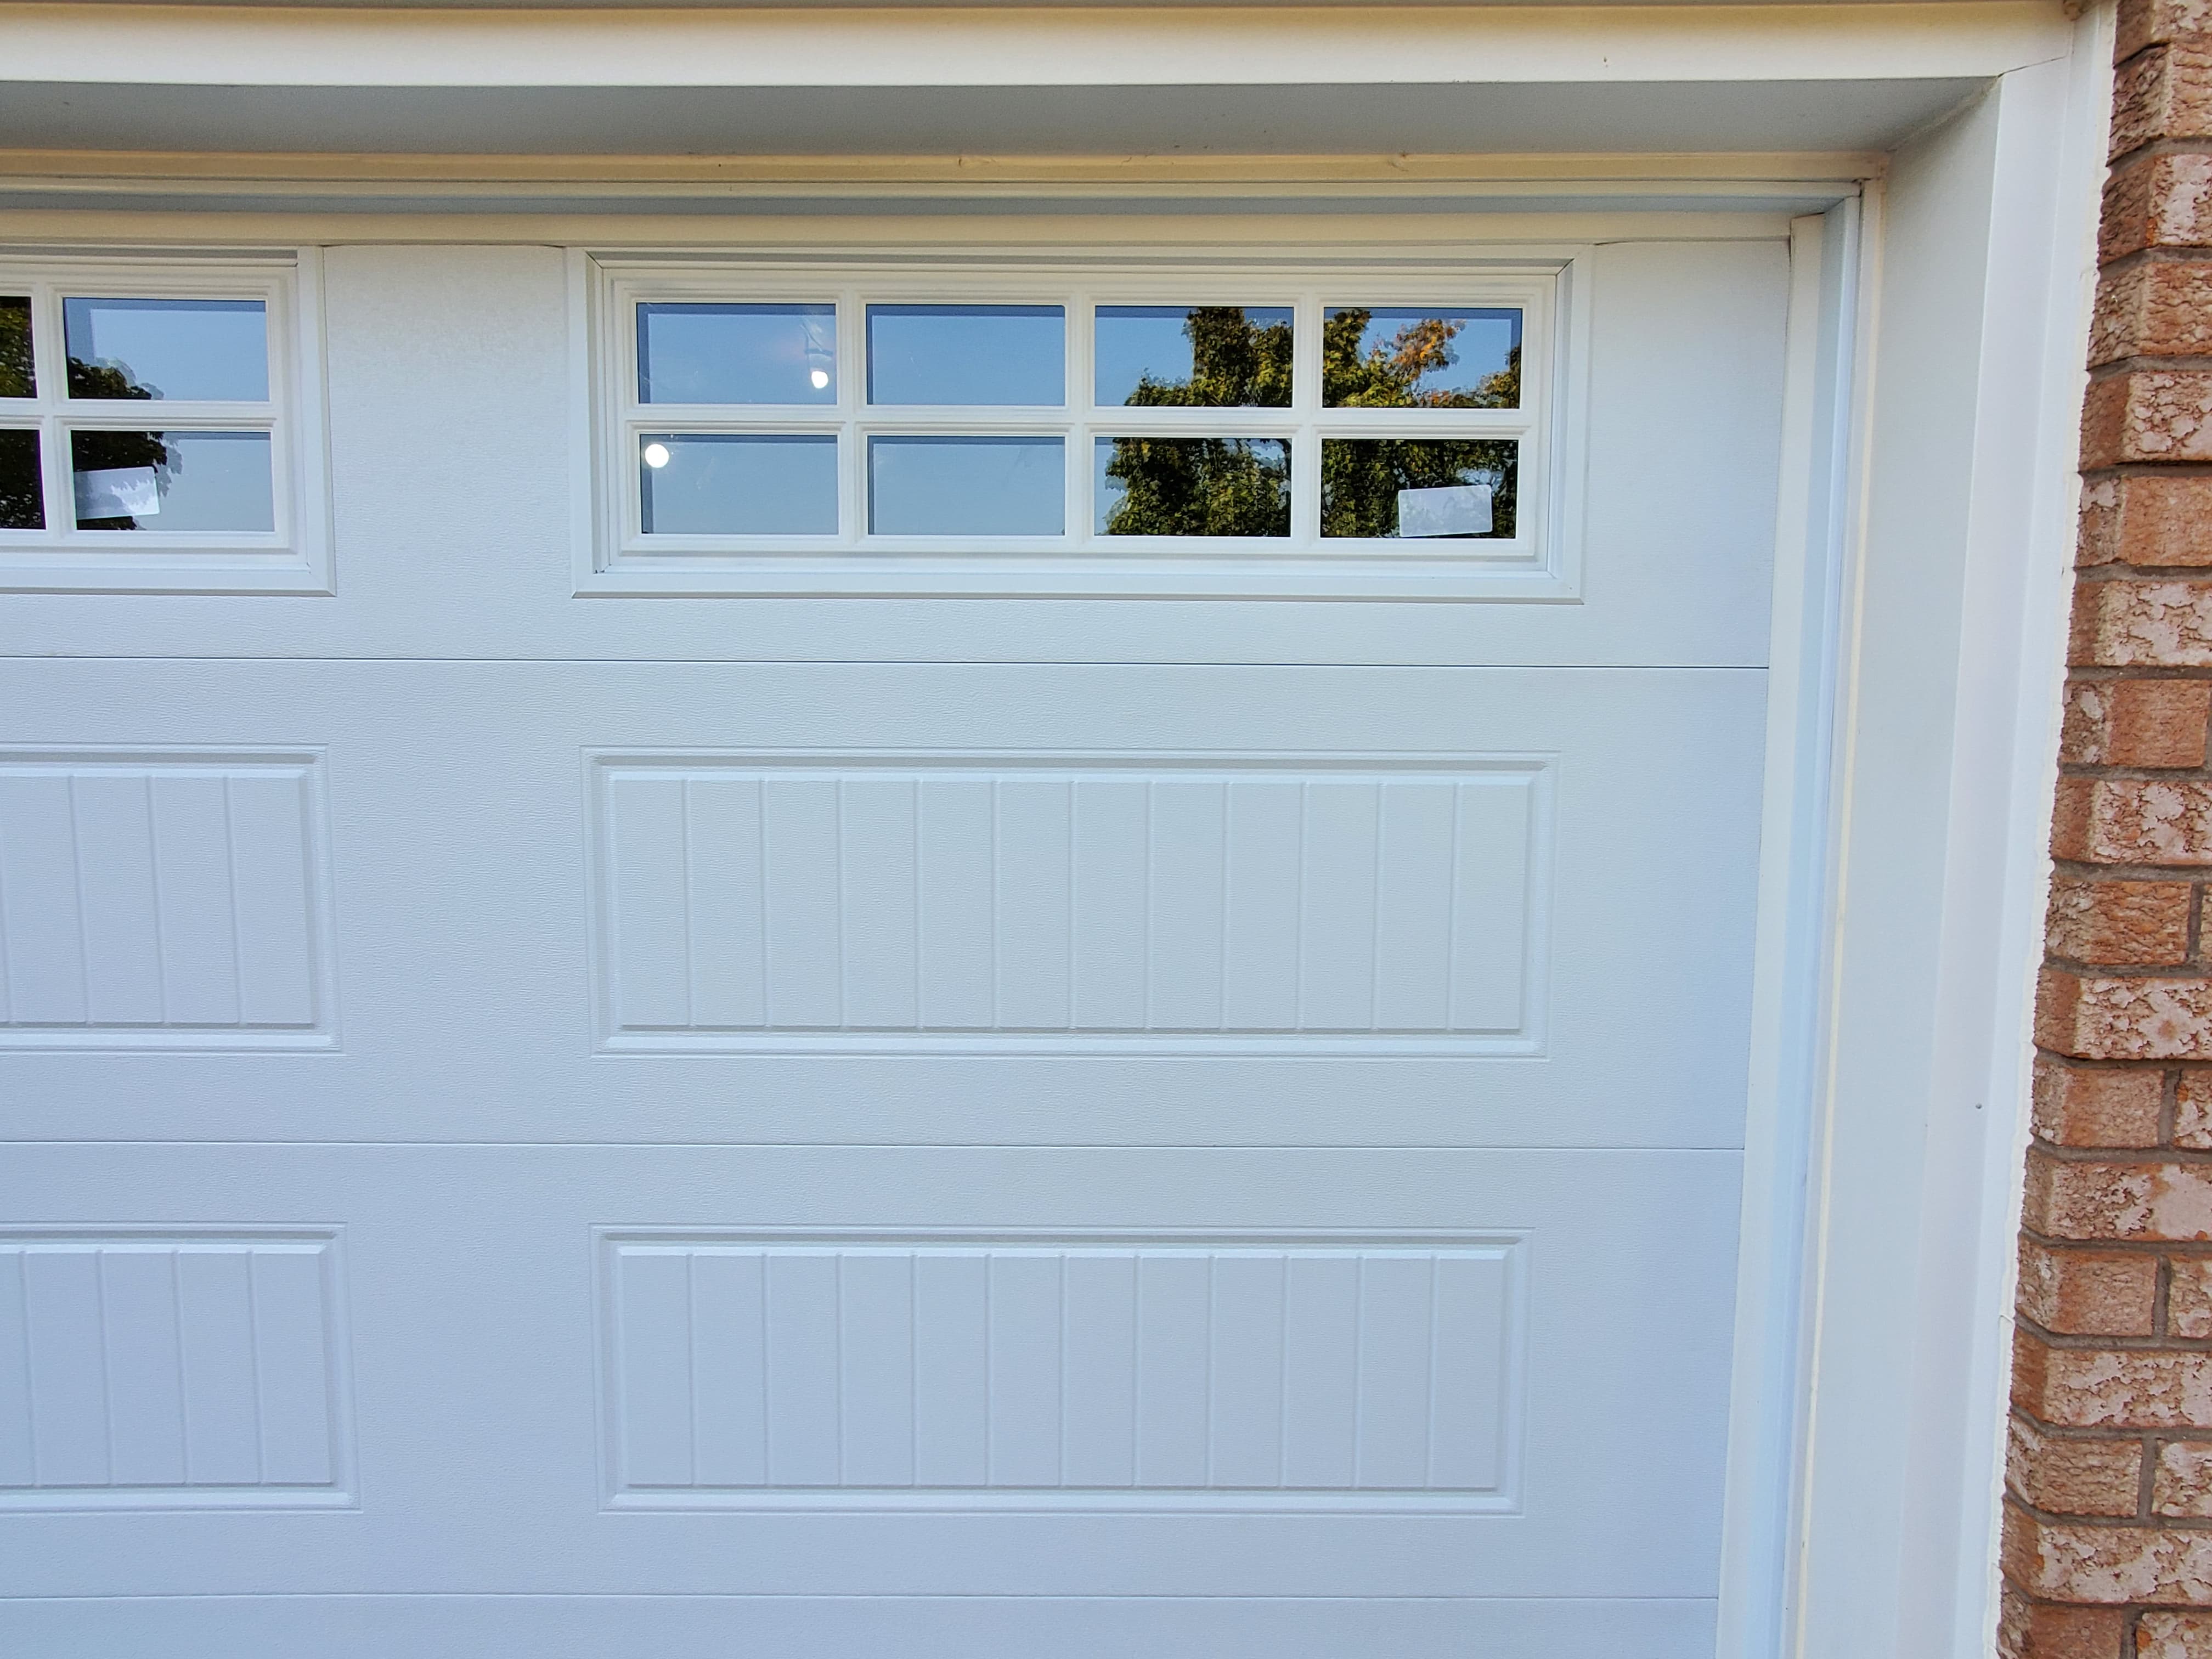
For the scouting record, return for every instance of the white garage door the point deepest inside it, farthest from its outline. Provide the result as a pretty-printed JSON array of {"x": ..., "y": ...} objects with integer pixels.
[{"x": 1042, "y": 957}]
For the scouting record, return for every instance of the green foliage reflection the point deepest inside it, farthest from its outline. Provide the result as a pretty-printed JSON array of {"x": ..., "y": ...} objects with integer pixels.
[{"x": 1241, "y": 486}]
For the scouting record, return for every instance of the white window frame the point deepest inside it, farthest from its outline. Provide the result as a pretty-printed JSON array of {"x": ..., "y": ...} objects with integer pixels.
[
  {"x": 293, "y": 556},
  {"x": 1540, "y": 561}
]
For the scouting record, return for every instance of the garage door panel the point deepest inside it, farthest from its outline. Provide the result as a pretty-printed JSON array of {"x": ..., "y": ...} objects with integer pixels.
[
  {"x": 650, "y": 902},
  {"x": 709, "y": 1627},
  {"x": 1685, "y": 368},
  {"x": 812, "y": 1370}
]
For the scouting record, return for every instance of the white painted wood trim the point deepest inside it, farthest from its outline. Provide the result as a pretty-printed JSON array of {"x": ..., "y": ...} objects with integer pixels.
[
  {"x": 1950, "y": 687},
  {"x": 1158, "y": 45}
]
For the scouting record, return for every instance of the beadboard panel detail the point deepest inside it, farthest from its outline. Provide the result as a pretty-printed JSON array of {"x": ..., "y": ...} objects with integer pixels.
[
  {"x": 164, "y": 900},
  {"x": 1091, "y": 1373},
  {"x": 1148, "y": 903},
  {"x": 167, "y": 1370}
]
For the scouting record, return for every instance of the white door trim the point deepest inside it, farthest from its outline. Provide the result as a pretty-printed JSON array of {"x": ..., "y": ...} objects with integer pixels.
[{"x": 1925, "y": 850}]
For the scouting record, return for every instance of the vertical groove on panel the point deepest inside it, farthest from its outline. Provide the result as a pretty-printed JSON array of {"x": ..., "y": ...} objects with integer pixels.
[
  {"x": 114, "y": 852},
  {"x": 837, "y": 919},
  {"x": 77, "y": 893},
  {"x": 691, "y": 1366},
  {"x": 768, "y": 1400},
  {"x": 837, "y": 1352},
  {"x": 6, "y": 981},
  {"x": 230, "y": 911},
  {"x": 1451, "y": 907},
  {"x": 1298, "y": 882},
  {"x": 254, "y": 1391},
  {"x": 1151, "y": 1018},
  {"x": 767, "y": 899},
  {"x": 154, "y": 886},
  {"x": 105, "y": 1351},
  {"x": 996, "y": 866},
  {"x": 19, "y": 1424},
  {"x": 687, "y": 885},
  {"x": 1374, "y": 919},
  {"x": 1074, "y": 922}
]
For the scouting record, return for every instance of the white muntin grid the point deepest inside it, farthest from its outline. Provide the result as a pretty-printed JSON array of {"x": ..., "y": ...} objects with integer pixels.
[
  {"x": 56, "y": 416},
  {"x": 626, "y": 423}
]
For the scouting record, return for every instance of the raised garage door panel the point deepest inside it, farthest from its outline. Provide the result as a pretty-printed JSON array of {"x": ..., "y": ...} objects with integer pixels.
[
  {"x": 499, "y": 1330},
  {"x": 1544, "y": 839}
]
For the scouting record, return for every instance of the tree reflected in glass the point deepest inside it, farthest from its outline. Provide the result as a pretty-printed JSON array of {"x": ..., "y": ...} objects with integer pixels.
[
  {"x": 1213, "y": 486},
  {"x": 95, "y": 451},
  {"x": 1360, "y": 481}
]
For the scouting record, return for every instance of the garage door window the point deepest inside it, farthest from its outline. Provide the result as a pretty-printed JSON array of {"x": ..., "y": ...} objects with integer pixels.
[
  {"x": 1369, "y": 416},
  {"x": 146, "y": 425}
]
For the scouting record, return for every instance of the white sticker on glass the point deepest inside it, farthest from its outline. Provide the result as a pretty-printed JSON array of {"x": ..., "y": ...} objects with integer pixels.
[
  {"x": 118, "y": 492},
  {"x": 1452, "y": 510}
]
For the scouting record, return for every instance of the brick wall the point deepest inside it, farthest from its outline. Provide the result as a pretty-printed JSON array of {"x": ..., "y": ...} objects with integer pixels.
[{"x": 2108, "y": 1534}]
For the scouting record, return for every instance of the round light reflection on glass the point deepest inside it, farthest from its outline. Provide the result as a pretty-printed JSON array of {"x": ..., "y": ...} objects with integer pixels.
[{"x": 656, "y": 455}]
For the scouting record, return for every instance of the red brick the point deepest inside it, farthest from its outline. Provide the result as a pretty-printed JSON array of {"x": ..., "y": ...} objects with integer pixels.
[
  {"x": 2108, "y": 1566},
  {"x": 2192, "y": 1117},
  {"x": 2147, "y": 519},
  {"x": 2039, "y": 1630},
  {"x": 2167, "y": 1635},
  {"x": 2096, "y": 1106},
  {"x": 2158, "y": 821},
  {"x": 2157, "y": 308},
  {"x": 2150, "y": 723},
  {"x": 2148, "y": 415},
  {"x": 2181, "y": 1484},
  {"x": 2111, "y": 1389},
  {"x": 2162, "y": 92},
  {"x": 2148, "y": 22},
  {"x": 2143, "y": 625},
  {"x": 2189, "y": 1298},
  {"x": 2087, "y": 1292},
  {"x": 2073, "y": 1477},
  {"x": 2076, "y": 1198},
  {"x": 2143, "y": 922},
  {"x": 2156, "y": 201},
  {"x": 2092, "y": 1017}
]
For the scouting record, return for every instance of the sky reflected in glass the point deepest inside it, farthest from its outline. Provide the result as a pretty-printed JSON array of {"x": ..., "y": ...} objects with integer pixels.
[
  {"x": 698, "y": 483},
  {"x": 212, "y": 349},
  {"x": 173, "y": 482},
  {"x": 737, "y": 354},
  {"x": 966, "y": 486},
  {"x": 967, "y": 355},
  {"x": 1146, "y": 354}
]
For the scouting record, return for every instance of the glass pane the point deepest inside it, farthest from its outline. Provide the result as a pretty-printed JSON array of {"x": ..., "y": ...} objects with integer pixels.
[
  {"x": 1194, "y": 487},
  {"x": 737, "y": 484},
  {"x": 1420, "y": 357},
  {"x": 967, "y": 355},
  {"x": 22, "y": 491},
  {"x": 966, "y": 486},
  {"x": 196, "y": 349},
  {"x": 717, "y": 354},
  {"x": 1209, "y": 356},
  {"x": 1429, "y": 489},
  {"x": 171, "y": 481},
  {"x": 16, "y": 379}
]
